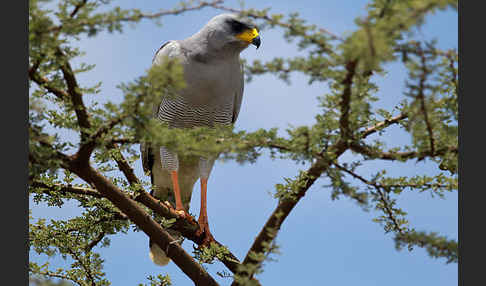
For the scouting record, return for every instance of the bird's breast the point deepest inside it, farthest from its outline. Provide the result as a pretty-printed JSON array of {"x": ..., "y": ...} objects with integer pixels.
[
  {"x": 207, "y": 99},
  {"x": 208, "y": 83}
]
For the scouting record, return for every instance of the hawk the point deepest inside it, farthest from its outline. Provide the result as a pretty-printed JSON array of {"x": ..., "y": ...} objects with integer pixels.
[{"x": 212, "y": 96}]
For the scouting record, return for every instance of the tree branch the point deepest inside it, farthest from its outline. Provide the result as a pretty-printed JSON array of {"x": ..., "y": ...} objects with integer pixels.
[
  {"x": 383, "y": 124},
  {"x": 346, "y": 100},
  {"x": 66, "y": 189},
  {"x": 176, "y": 11},
  {"x": 436, "y": 246},
  {"x": 138, "y": 16},
  {"x": 283, "y": 25},
  {"x": 420, "y": 155},
  {"x": 382, "y": 197},
  {"x": 77, "y": 7},
  {"x": 421, "y": 97},
  {"x": 86, "y": 269},
  {"x": 43, "y": 82},
  {"x": 51, "y": 274},
  {"x": 75, "y": 94},
  {"x": 124, "y": 167},
  {"x": 136, "y": 214},
  {"x": 187, "y": 227},
  {"x": 453, "y": 70},
  {"x": 95, "y": 241},
  {"x": 36, "y": 135},
  {"x": 285, "y": 206}
]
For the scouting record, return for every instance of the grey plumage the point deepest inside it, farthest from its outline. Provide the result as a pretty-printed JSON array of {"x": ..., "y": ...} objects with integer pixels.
[{"x": 212, "y": 96}]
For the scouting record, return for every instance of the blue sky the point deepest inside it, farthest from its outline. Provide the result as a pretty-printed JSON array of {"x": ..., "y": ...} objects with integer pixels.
[{"x": 322, "y": 241}]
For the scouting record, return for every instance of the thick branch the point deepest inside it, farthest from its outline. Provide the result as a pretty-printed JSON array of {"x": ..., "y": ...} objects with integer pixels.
[
  {"x": 81, "y": 158},
  {"x": 188, "y": 228},
  {"x": 285, "y": 206},
  {"x": 88, "y": 146},
  {"x": 143, "y": 220}
]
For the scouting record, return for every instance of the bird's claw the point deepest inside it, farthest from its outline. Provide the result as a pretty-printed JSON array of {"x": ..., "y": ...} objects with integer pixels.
[
  {"x": 207, "y": 240},
  {"x": 183, "y": 214},
  {"x": 168, "y": 204},
  {"x": 204, "y": 231}
]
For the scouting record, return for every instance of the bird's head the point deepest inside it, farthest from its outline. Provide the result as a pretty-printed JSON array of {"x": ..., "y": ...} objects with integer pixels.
[{"x": 229, "y": 31}]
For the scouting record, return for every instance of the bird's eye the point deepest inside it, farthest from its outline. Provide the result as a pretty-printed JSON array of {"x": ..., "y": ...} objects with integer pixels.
[{"x": 237, "y": 26}]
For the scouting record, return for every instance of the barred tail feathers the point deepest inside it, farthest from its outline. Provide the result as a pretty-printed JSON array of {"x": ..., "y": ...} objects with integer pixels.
[{"x": 157, "y": 255}]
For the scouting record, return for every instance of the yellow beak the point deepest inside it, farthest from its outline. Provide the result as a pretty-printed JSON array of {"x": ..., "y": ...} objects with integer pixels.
[{"x": 248, "y": 35}]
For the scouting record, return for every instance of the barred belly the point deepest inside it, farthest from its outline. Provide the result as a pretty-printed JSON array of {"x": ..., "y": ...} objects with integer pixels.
[{"x": 179, "y": 113}]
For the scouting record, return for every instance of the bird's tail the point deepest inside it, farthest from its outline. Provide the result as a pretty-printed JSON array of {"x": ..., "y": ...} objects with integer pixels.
[{"x": 157, "y": 255}]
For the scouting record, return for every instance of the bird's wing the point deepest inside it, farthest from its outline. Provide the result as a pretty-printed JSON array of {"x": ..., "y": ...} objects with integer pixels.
[
  {"x": 171, "y": 49},
  {"x": 238, "y": 96},
  {"x": 168, "y": 49},
  {"x": 147, "y": 157}
]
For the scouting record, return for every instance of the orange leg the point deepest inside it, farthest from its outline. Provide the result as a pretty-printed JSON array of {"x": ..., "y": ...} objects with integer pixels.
[
  {"x": 203, "y": 214},
  {"x": 177, "y": 191}
]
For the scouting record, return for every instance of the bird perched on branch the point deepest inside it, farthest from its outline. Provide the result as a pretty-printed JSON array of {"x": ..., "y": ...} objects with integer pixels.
[{"x": 212, "y": 96}]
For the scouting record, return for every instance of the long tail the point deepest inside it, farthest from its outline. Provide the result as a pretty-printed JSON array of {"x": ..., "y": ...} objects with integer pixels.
[
  {"x": 189, "y": 173},
  {"x": 157, "y": 255}
]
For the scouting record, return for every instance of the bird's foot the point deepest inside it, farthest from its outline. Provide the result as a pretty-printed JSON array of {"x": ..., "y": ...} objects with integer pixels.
[
  {"x": 183, "y": 214},
  {"x": 168, "y": 204},
  {"x": 204, "y": 231}
]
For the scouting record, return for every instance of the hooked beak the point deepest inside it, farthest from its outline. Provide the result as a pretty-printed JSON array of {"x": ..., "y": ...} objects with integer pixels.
[
  {"x": 250, "y": 36},
  {"x": 256, "y": 41}
]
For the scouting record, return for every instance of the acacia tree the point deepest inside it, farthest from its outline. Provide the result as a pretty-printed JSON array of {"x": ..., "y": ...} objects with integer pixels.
[{"x": 94, "y": 164}]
